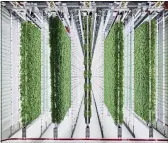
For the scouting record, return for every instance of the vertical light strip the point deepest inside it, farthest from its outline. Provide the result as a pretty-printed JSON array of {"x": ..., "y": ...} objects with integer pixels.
[
  {"x": 125, "y": 96},
  {"x": 102, "y": 82},
  {"x": 156, "y": 64},
  {"x": 127, "y": 78},
  {"x": 42, "y": 73},
  {"x": 49, "y": 75},
  {"x": 11, "y": 58},
  {"x": 132, "y": 77},
  {"x": 127, "y": 71},
  {"x": 163, "y": 70},
  {"x": 126, "y": 82},
  {"x": 46, "y": 72},
  {"x": 72, "y": 103},
  {"x": 19, "y": 57},
  {"x": 130, "y": 72},
  {"x": 150, "y": 100}
]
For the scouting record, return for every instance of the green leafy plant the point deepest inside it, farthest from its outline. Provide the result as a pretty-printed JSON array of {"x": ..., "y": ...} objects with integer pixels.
[
  {"x": 89, "y": 75},
  {"x": 30, "y": 72},
  {"x": 60, "y": 63},
  {"x": 113, "y": 72},
  {"x": 143, "y": 54},
  {"x": 85, "y": 74},
  {"x": 153, "y": 80},
  {"x": 87, "y": 61}
]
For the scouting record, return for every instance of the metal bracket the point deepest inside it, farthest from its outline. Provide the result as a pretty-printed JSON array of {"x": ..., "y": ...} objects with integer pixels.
[
  {"x": 87, "y": 131},
  {"x": 119, "y": 131},
  {"x": 55, "y": 131},
  {"x": 24, "y": 132},
  {"x": 150, "y": 132}
]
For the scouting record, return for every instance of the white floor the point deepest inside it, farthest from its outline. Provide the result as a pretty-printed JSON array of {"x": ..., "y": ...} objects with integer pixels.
[
  {"x": 79, "y": 131},
  {"x": 80, "y": 141},
  {"x": 64, "y": 129},
  {"x": 34, "y": 129},
  {"x": 94, "y": 124},
  {"x": 110, "y": 129},
  {"x": 95, "y": 131},
  {"x": 141, "y": 131}
]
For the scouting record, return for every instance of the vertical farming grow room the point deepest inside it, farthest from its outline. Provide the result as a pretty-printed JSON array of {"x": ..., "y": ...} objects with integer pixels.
[{"x": 84, "y": 71}]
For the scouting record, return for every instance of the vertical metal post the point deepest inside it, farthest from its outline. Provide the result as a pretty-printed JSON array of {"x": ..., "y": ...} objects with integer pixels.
[
  {"x": 125, "y": 73},
  {"x": 164, "y": 75},
  {"x": 103, "y": 39},
  {"x": 55, "y": 131},
  {"x": 119, "y": 131},
  {"x": 130, "y": 71},
  {"x": 150, "y": 84},
  {"x": 11, "y": 81},
  {"x": 156, "y": 64},
  {"x": 128, "y": 78},
  {"x": 87, "y": 131},
  {"x": 24, "y": 132},
  {"x": 19, "y": 102},
  {"x": 132, "y": 77},
  {"x": 71, "y": 29},
  {"x": 42, "y": 74}
]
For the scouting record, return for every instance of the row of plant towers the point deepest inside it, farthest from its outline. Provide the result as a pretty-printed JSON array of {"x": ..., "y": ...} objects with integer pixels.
[{"x": 87, "y": 28}]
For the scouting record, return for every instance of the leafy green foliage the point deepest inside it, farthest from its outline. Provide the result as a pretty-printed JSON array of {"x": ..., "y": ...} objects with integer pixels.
[
  {"x": 89, "y": 64},
  {"x": 60, "y": 62},
  {"x": 85, "y": 64},
  {"x": 121, "y": 71},
  {"x": 87, "y": 61},
  {"x": 153, "y": 80},
  {"x": 142, "y": 65},
  {"x": 113, "y": 72},
  {"x": 30, "y": 82}
]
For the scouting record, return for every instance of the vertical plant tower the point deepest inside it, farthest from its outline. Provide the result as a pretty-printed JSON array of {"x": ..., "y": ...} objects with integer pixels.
[
  {"x": 60, "y": 63},
  {"x": 87, "y": 25},
  {"x": 113, "y": 72}
]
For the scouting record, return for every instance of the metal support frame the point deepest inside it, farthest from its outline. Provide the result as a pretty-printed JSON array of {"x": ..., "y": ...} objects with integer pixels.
[
  {"x": 150, "y": 98},
  {"x": 164, "y": 82},
  {"x": 161, "y": 63},
  {"x": 87, "y": 131},
  {"x": 129, "y": 75},
  {"x": 55, "y": 131}
]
